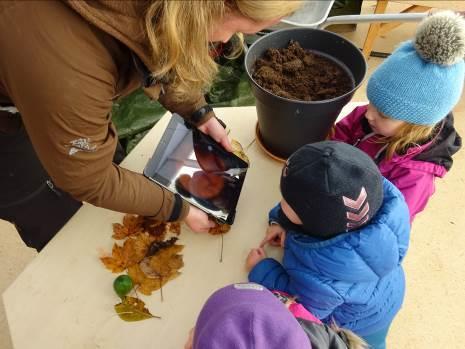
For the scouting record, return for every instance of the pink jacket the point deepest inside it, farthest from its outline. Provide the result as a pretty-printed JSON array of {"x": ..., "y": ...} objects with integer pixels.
[{"x": 413, "y": 173}]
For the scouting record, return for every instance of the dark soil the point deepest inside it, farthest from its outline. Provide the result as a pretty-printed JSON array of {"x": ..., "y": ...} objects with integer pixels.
[{"x": 296, "y": 73}]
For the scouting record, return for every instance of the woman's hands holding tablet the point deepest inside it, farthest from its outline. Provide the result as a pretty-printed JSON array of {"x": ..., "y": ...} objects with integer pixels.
[
  {"x": 198, "y": 220},
  {"x": 215, "y": 130}
]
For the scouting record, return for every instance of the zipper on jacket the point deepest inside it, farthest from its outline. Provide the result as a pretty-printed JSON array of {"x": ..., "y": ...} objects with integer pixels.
[
  {"x": 26, "y": 198},
  {"x": 364, "y": 138},
  {"x": 52, "y": 187}
]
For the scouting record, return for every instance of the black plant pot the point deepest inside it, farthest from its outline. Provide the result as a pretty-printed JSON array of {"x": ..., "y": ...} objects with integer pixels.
[{"x": 284, "y": 124}]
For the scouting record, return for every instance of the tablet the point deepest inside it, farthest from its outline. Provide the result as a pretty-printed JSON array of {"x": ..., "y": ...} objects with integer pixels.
[{"x": 190, "y": 163}]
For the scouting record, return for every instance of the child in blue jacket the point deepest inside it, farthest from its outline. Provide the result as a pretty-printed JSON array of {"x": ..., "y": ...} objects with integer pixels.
[{"x": 345, "y": 231}]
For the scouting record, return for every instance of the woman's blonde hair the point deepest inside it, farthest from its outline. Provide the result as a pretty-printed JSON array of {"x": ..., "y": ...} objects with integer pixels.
[
  {"x": 407, "y": 136},
  {"x": 178, "y": 33}
]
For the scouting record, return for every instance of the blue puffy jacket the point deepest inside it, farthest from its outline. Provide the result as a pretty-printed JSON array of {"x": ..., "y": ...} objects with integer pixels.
[{"x": 355, "y": 278}]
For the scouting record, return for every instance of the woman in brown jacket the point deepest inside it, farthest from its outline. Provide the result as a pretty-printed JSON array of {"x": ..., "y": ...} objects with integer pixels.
[{"x": 63, "y": 63}]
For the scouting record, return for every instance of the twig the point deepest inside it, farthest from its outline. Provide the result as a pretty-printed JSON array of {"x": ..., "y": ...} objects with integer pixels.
[
  {"x": 249, "y": 145},
  {"x": 135, "y": 291},
  {"x": 161, "y": 287},
  {"x": 222, "y": 243}
]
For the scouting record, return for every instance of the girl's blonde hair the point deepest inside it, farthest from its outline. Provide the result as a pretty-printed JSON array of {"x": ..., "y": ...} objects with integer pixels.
[
  {"x": 178, "y": 34},
  {"x": 406, "y": 136},
  {"x": 351, "y": 339}
]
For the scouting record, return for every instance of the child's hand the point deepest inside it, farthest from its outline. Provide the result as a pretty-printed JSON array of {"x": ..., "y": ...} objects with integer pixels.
[
  {"x": 190, "y": 341},
  {"x": 255, "y": 255},
  {"x": 275, "y": 236}
]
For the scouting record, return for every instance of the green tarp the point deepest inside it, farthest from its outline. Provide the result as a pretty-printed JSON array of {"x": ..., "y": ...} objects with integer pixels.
[{"x": 135, "y": 114}]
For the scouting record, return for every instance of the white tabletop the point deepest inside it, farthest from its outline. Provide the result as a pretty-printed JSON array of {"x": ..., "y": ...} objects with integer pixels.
[{"x": 65, "y": 299}]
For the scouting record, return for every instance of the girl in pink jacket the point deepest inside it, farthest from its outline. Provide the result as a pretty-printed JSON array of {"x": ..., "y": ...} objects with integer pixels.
[{"x": 408, "y": 127}]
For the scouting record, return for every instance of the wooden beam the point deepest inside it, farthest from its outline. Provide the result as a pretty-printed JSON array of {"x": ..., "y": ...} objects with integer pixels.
[{"x": 374, "y": 29}]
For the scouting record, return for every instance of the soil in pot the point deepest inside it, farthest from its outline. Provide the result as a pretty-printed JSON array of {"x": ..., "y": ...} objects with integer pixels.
[{"x": 299, "y": 74}]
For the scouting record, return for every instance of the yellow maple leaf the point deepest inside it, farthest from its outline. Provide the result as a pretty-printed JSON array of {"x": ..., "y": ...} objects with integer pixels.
[
  {"x": 135, "y": 247},
  {"x": 117, "y": 262},
  {"x": 120, "y": 232}
]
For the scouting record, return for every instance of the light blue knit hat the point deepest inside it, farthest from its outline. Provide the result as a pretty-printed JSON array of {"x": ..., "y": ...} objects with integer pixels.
[{"x": 422, "y": 80}]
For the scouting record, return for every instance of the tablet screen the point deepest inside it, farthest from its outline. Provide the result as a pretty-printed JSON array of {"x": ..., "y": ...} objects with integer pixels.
[{"x": 192, "y": 164}]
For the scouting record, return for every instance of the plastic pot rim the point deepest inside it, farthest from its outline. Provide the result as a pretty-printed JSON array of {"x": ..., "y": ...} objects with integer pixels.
[{"x": 297, "y": 100}]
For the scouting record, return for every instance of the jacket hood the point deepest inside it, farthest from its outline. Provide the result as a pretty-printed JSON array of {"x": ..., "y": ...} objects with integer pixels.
[
  {"x": 435, "y": 155},
  {"x": 361, "y": 255},
  {"x": 123, "y": 20},
  {"x": 322, "y": 336},
  {"x": 445, "y": 144}
]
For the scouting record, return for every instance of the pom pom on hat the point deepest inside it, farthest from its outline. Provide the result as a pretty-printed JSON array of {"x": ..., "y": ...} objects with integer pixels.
[
  {"x": 423, "y": 79},
  {"x": 440, "y": 38}
]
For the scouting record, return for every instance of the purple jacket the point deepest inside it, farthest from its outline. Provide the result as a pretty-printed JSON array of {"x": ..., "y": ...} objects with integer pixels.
[{"x": 414, "y": 172}]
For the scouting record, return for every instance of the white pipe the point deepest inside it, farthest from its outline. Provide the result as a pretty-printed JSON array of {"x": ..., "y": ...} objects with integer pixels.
[{"x": 389, "y": 17}]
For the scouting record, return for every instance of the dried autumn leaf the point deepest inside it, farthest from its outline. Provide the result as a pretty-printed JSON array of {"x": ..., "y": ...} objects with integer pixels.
[
  {"x": 136, "y": 274},
  {"x": 174, "y": 228},
  {"x": 156, "y": 246},
  {"x": 118, "y": 260},
  {"x": 120, "y": 232},
  {"x": 133, "y": 223},
  {"x": 167, "y": 261},
  {"x": 219, "y": 229},
  {"x": 155, "y": 228},
  {"x": 135, "y": 247},
  {"x": 239, "y": 151},
  {"x": 148, "y": 284},
  {"x": 176, "y": 262},
  {"x": 133, "y": 309},
  {"x": 141, "y": 233},
  {"x": 154, "y": 284}
]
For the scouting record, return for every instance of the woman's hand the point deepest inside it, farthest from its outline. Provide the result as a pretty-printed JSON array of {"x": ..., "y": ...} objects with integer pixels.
[
  {"x": 255, "y": 256},
  {"x": 275, "y": 236},
  {"x": 216, "y": 131},
  {"x": 198, "y": 221}
]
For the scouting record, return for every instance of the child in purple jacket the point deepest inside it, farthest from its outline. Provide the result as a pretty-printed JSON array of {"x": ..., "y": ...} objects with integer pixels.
[
  {"x": 247, "y": 315},
  {"x": 408, "y": 127}
]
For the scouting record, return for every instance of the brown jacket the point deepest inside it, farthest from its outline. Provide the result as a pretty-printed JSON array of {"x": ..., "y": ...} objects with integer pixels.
[{"x": 62, "y": 64}]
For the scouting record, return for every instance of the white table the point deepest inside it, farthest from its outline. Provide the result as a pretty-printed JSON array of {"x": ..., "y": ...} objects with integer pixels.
[{"x": 64, "y": 298}]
